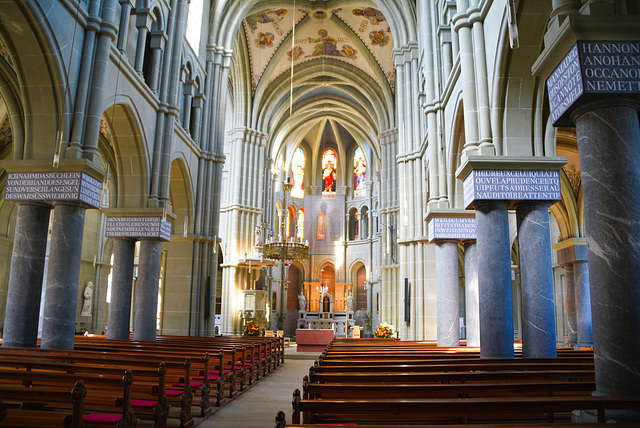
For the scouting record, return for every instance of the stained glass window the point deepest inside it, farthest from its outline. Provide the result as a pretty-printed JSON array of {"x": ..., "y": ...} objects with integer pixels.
[
  {"x": 329, "y": 163},
  {"x": 300, "y": 232},
  {"x": 297, "y": 174},
  {"x": 359, "y": 173}
]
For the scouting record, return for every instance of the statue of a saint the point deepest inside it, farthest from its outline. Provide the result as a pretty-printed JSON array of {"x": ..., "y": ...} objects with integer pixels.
[
  {"x": 88, "y": 297},
  {"x": 350, "y": 302},
  {"x": 302, "y": 302},
  {"x": 258, "y": 232}
]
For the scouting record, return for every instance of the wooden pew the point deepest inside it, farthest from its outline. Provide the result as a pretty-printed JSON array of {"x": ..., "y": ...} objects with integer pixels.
[
  {"x": 101, "y": 408},
  {"x": 150, "y": 387},
  {"x": 462, "y": 410}
]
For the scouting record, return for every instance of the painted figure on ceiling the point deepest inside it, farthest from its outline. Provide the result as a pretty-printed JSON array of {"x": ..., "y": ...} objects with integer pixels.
[
  {"x": 265, "y": 17},
  {"x": 374, "y": 16},
  {"x": 326, "y": 45}
]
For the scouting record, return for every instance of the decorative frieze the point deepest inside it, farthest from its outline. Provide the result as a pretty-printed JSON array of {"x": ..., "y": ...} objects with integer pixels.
[
  {"x": 138, "y": 227},
  {"x": 513, "y": 185},
  {"x": 592, "y": 69},
  {"x": 73, "y": 186}
]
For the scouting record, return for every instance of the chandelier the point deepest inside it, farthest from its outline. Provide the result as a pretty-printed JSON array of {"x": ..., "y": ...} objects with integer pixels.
[{"x": 283, "y": 249}]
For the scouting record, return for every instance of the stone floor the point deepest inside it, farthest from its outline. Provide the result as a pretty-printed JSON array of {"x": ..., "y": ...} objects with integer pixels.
[{"x": 257, "y": 407}]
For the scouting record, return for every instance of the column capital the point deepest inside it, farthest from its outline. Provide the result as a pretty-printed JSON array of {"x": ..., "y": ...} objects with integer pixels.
[
  {"x": 571, "y": 250},
  {"x": 450, "y": 225},
  {"x": 510, "y": 178}
]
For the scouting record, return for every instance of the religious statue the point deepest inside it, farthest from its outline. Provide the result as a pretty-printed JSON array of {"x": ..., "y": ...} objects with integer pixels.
[
  {"x": 88, "y": 297},
  {"x": 359, "y": 173},
  {"x": 302, "y": 302},
  {"x": 329, "y": 177},
  {"x": 350, "y": 302},
  {"x": 258, "y": 232}
]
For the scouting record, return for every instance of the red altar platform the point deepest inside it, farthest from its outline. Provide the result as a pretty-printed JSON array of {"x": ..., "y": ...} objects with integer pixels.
[{"x": 313, "y": 340}]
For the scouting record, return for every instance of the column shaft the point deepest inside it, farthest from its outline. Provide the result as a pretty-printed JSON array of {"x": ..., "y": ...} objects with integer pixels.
[
  {"x": 534, "y": 240},
  {"x": 146, "y": 293},
  {"x": 61, "y": 298},
  {"x": 447, "y": 294},
  {"x": 25, "y": 276},
  {"x": 570, "y": 298},
  {"x": 609, "y": 149},
  {"x": 472, "y": 309},
  {"x": 121, "y": 288},
  {"x": 494, "y": 279},
  {"x": 583, "y": 304}
]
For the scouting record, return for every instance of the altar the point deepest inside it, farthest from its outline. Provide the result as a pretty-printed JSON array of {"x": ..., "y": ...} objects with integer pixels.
[
  {"x": 326, "y": 318},
  {"x": 313, "y": 340}
]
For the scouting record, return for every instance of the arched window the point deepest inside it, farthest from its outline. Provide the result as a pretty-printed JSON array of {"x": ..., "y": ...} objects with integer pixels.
[
  {"x": 293, "y": 287},
  {"x": 297, "y": 174},
  {"x": 353, "y": 224},
  {"x": 291, "y": 222},
  {"x": 300, "y": 231},
  {"x": 365, "y": 223},
  {"x": 361, "y": 304},
  {"x": 329, "y": 164},
  {"x": 359, "y": 173}
]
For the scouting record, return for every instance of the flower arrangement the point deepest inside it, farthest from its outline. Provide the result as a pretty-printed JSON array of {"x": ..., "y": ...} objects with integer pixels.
[
  {"x": 383, "y": 331},
  {"x": 251, "y": 329}
]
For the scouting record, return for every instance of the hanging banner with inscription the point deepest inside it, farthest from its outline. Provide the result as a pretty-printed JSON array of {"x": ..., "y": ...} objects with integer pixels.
[
  {"x": 53, "y": 186},
  {"x": 138, "y": 227},
  {"x": 590, "y": 70},
  {"x": 511, "y": 185},
  {"x": 462, "y": 228}
]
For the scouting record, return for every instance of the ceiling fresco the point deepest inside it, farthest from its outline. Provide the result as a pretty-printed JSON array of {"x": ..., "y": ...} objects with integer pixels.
[{"x": 357, "y": 35}]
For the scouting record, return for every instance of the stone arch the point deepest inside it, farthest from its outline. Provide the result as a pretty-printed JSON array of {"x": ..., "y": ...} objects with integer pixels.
[
  {"x": 517, "y": 97},
  {"x": 453, "y": 153},
  {"x": 181, "y": 195},
  {"x": 131, "y": 154},
  {"x": 38, "y": 79}
]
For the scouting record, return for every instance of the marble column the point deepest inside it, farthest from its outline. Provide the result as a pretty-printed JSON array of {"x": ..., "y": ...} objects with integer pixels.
[
  {"x": 534, "y": 242},
  {"x": 570, "y": 298},
  {"x": 25, "y": 276},
  {"x": 123, "y": 29},
  {"x": 583, "y": 304},
  {"x": 609, "y": 150},
  {"x": 447, "y": 293},
  {"x": 158, "y": 40},
  {"x": 142, "y": 23},
  {"x": 146, "y": 293},
  {"x": 494, "y": 279},
  {"x": 121, "y": 287},
  {"x": 61, "y": 297},
  {"x": 472, "y": 309}
]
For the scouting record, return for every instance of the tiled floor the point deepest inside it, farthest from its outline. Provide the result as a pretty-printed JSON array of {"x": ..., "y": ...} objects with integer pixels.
[{"x": 257, "y": 407}]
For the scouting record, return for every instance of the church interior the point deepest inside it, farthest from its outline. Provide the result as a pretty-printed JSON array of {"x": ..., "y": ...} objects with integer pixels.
[{"x": 460, "y": 172}]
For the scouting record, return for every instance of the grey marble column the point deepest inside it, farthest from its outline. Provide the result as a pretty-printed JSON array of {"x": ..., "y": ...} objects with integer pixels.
[
  {"x": 146, "y": 293},
  {"x": 25, "y": 276},
  {"x": 61, "y": 297},
  {"x": 570, "y": 298},
  {"x": 583, "y": 304},
  {"x": 609, "y": 150},
  {"x": 494, "y": 279},
  {"x": 536, "y": 273},
  {"x": 447, "y": 294},
  {"x": 121, "y": 285},
  {"x": 471, "y": 302}
]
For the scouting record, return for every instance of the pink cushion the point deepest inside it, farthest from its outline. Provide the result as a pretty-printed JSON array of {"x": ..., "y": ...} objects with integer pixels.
[
  {"x": 146, "y": 404},
  {"x": 101, "y": 418},
  {"x": 173, "y": 392},
  {"x": 193, "y": 385},
  {"x": 198, "y": 378}
]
